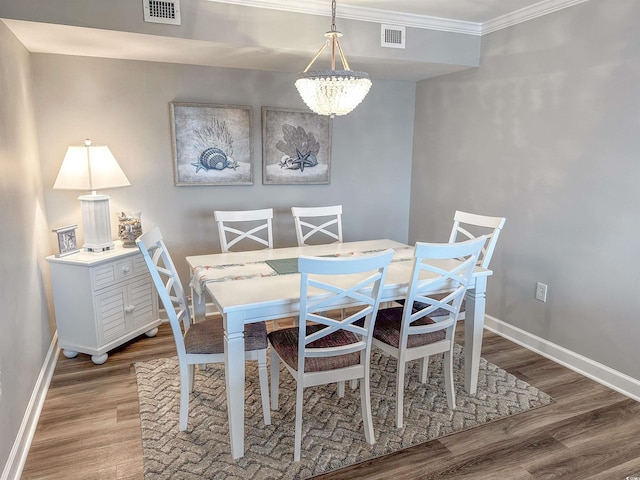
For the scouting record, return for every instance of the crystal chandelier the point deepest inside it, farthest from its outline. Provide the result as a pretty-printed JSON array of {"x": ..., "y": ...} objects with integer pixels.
[{"x": 333, "y": 92}]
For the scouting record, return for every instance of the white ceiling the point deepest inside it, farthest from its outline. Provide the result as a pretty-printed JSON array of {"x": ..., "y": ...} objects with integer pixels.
[{"x": 474, "y": 17}]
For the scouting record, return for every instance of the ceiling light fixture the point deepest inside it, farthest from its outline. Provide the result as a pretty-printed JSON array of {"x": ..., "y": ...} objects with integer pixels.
[{"x": 333, "y": 92}]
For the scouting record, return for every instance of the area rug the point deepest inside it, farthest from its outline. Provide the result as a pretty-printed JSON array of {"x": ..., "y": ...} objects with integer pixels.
[{"x": 332, "y": 437}]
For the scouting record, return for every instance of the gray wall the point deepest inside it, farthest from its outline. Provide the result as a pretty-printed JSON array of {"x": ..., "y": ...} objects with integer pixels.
[
  {"x": 24, "y": 242},
  {"x": 125, "y": 104},
  {"x": 545, "y": 133}
]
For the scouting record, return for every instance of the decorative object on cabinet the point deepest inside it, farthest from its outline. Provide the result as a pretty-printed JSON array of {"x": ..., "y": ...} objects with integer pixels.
[
  {"x": 91, "y": 168},
  {"x": 333, "y": 92},
  {"x": 102, "y": 300},
  {"x": 67, "y": 240},
  {"x": 296, "y": 147},
  {"x": 129, "y": 228},
  {"x": 211, "y": 144}
]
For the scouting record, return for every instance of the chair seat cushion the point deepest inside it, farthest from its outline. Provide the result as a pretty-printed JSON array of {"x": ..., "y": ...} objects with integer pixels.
[
  {"x": 387, "y": 329},
  {"x": 285, "y": 343},
  {"x": 208, "y": 337}
]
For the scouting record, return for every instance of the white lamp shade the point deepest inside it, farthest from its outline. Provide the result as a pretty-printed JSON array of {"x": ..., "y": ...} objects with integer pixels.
[{"x": 92, "y": 167}]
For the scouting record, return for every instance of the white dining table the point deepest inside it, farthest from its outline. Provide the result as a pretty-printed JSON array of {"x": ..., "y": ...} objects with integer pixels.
[{"x": 245, "y": 288}]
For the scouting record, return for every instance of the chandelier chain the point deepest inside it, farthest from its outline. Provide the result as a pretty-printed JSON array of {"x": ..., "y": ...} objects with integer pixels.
[{"x": 333, "y": 15}]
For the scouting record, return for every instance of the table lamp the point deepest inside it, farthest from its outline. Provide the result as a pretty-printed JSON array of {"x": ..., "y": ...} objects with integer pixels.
[{"x": 90, "y": 168}]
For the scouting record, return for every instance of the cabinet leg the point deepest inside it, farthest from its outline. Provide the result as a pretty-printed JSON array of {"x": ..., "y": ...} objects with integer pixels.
[
  {"x": 152, "y": 333},
  {"x": 99, "y": 359},
  {"x": 69, "y": 353}
]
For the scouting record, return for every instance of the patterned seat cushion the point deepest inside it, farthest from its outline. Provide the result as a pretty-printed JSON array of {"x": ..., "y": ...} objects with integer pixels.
[
  {"x": 208, "y": 337},
  {"x": 387, "y": 329},
  {"x": 285, "y": 342}
]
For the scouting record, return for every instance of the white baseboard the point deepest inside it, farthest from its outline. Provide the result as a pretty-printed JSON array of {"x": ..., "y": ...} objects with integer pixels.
[
  {"x": 20, "y": 450},
  {"x": 602, "y": 374}
]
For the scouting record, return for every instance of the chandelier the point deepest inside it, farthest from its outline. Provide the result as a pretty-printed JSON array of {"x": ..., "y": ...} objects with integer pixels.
[{"x": 333, "y": 92}]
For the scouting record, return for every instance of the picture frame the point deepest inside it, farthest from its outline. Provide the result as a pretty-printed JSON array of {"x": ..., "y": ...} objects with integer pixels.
[
  {"x": 296, "y": 147},
  {"x": 211, "y": 144},
  {"x": 67, "y": 240}
]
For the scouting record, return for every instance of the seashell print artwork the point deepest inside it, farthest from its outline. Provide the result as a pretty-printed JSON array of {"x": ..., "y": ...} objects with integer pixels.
[
  {"x": 212, "y": 144},
  {"x": 296, "y": 147}
]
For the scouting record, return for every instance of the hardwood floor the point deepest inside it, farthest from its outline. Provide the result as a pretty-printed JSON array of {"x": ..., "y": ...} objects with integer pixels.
[{"x": 90, "y": 426}]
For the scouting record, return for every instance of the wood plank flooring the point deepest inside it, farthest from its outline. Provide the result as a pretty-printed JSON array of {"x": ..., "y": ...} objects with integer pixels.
[{"x": 90, "y": 426}]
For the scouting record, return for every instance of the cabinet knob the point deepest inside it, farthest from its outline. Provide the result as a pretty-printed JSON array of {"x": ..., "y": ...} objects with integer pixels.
[
  {"x": 129, "y": 308},
  {"x": 126, "y": 269}
]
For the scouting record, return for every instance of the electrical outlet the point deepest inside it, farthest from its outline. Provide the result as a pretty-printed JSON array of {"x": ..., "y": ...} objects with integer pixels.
[{"x": 541, "y": 292}]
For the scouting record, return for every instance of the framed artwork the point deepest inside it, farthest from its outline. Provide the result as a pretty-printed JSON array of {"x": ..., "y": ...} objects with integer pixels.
[
  {"x": 67, "y": 240},
  {"x": 296, "y": 147},
  {"x": 211, "y": 144}
]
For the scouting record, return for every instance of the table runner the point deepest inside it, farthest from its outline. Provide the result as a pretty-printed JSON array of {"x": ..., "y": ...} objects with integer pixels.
[{"x": 204, "y": 274}]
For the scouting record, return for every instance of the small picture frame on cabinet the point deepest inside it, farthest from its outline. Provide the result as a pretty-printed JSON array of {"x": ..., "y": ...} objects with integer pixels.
[{"x": 67, "y": 240}]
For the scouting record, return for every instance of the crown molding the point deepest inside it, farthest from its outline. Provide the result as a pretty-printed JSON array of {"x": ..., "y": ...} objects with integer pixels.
[
  {"x": 319, "y": 7},
  {"x": 540, "y": 9}
]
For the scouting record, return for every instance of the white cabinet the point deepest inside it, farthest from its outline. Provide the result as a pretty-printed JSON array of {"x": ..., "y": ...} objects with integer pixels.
[{"x": 102, "y": 300}]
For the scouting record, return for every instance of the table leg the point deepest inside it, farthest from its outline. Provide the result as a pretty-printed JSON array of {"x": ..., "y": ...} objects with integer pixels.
[
  {"x": 234, "y": 377},
  {"x": 198, "y": 305},
  {"x": 473, "y": 327}
]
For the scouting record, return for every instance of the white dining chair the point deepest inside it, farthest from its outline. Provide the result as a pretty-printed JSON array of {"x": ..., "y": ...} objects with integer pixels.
[
  {"x": 257, "y": 226},
  {"x": 325, "y": 222},
  {"x": 470, "y": 225},
  {"x": 201, "y": 342},
  {"x": 322, "y": 349},
  {"x": 410, "y": 334}
]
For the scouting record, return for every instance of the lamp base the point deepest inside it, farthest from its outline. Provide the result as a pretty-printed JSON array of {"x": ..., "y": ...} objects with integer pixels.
[{"x": 96, "y": 222}]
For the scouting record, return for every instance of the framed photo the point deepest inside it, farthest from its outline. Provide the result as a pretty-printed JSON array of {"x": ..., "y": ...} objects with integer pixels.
[
  {"x": 296, "y": 147},
  {"x": 211, "y": 144},
  {"x": 67, "y": 240}
]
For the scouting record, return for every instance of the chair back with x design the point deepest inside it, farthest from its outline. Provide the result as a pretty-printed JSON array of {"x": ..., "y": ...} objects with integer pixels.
[
  {"x": 256, "y": 221},
  {"x": 313, "y": 221}
]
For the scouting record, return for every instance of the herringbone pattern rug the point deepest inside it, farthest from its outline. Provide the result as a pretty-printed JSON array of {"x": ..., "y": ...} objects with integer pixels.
[{"x": 332, "y": 427}]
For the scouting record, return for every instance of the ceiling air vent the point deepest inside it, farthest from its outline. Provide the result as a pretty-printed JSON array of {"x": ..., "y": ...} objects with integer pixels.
[
  {"x": 392, "y": 36},
  {"x": 165, "y": 11}
]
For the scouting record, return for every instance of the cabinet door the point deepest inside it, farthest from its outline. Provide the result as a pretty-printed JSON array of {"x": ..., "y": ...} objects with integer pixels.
[
  {"x": 110, "y": 314},
  {"x": 140, "y": 302}
]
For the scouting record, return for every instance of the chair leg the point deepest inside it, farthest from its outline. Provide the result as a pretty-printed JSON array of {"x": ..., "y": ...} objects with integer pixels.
[
  {"x": 298, "y": 427},
  {"x": 191, "y": 372},
  {"x": 264, "y": 386},
  {"x": 400, "y": 393},
  {"x": 185, "y": 390},
  {"x": 448, "y": 379},
  {"x": 365, "y": 402},
  {"x": 275, "y": 379},
  {"x": 341, "y": 389},
  {"x": 353, "y": 383},
  {"x": 424, "y": 369}
]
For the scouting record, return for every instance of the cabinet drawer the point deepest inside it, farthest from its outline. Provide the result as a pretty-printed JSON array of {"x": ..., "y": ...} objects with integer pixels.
[{"x": 112, "y": 273}]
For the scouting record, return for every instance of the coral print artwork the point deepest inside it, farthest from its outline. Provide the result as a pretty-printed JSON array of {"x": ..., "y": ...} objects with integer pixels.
[
  {"x": 212, "y": 144},
  {"x": 296, "y": 147}
]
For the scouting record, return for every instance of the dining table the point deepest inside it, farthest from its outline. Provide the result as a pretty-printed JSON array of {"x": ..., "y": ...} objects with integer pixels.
[{"x": 260, "y": 285}]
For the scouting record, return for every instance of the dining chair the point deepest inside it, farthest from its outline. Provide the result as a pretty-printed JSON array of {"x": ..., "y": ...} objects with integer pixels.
[
  {"x": 322, "y": 349},
  {"x": 254, "y": 221},
  {"x": 201, "y": 342},
  {"x": 490, "y": 227},
  {"x": 409, "y": 334},
  {"x": 314, "y": 221},
  {"x": 469, "y": 226}
]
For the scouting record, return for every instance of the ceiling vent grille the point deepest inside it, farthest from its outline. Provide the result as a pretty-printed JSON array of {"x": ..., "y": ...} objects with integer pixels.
[
  {"x": 392, "y": 36},
  {"x": 162, "y": 11}
]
